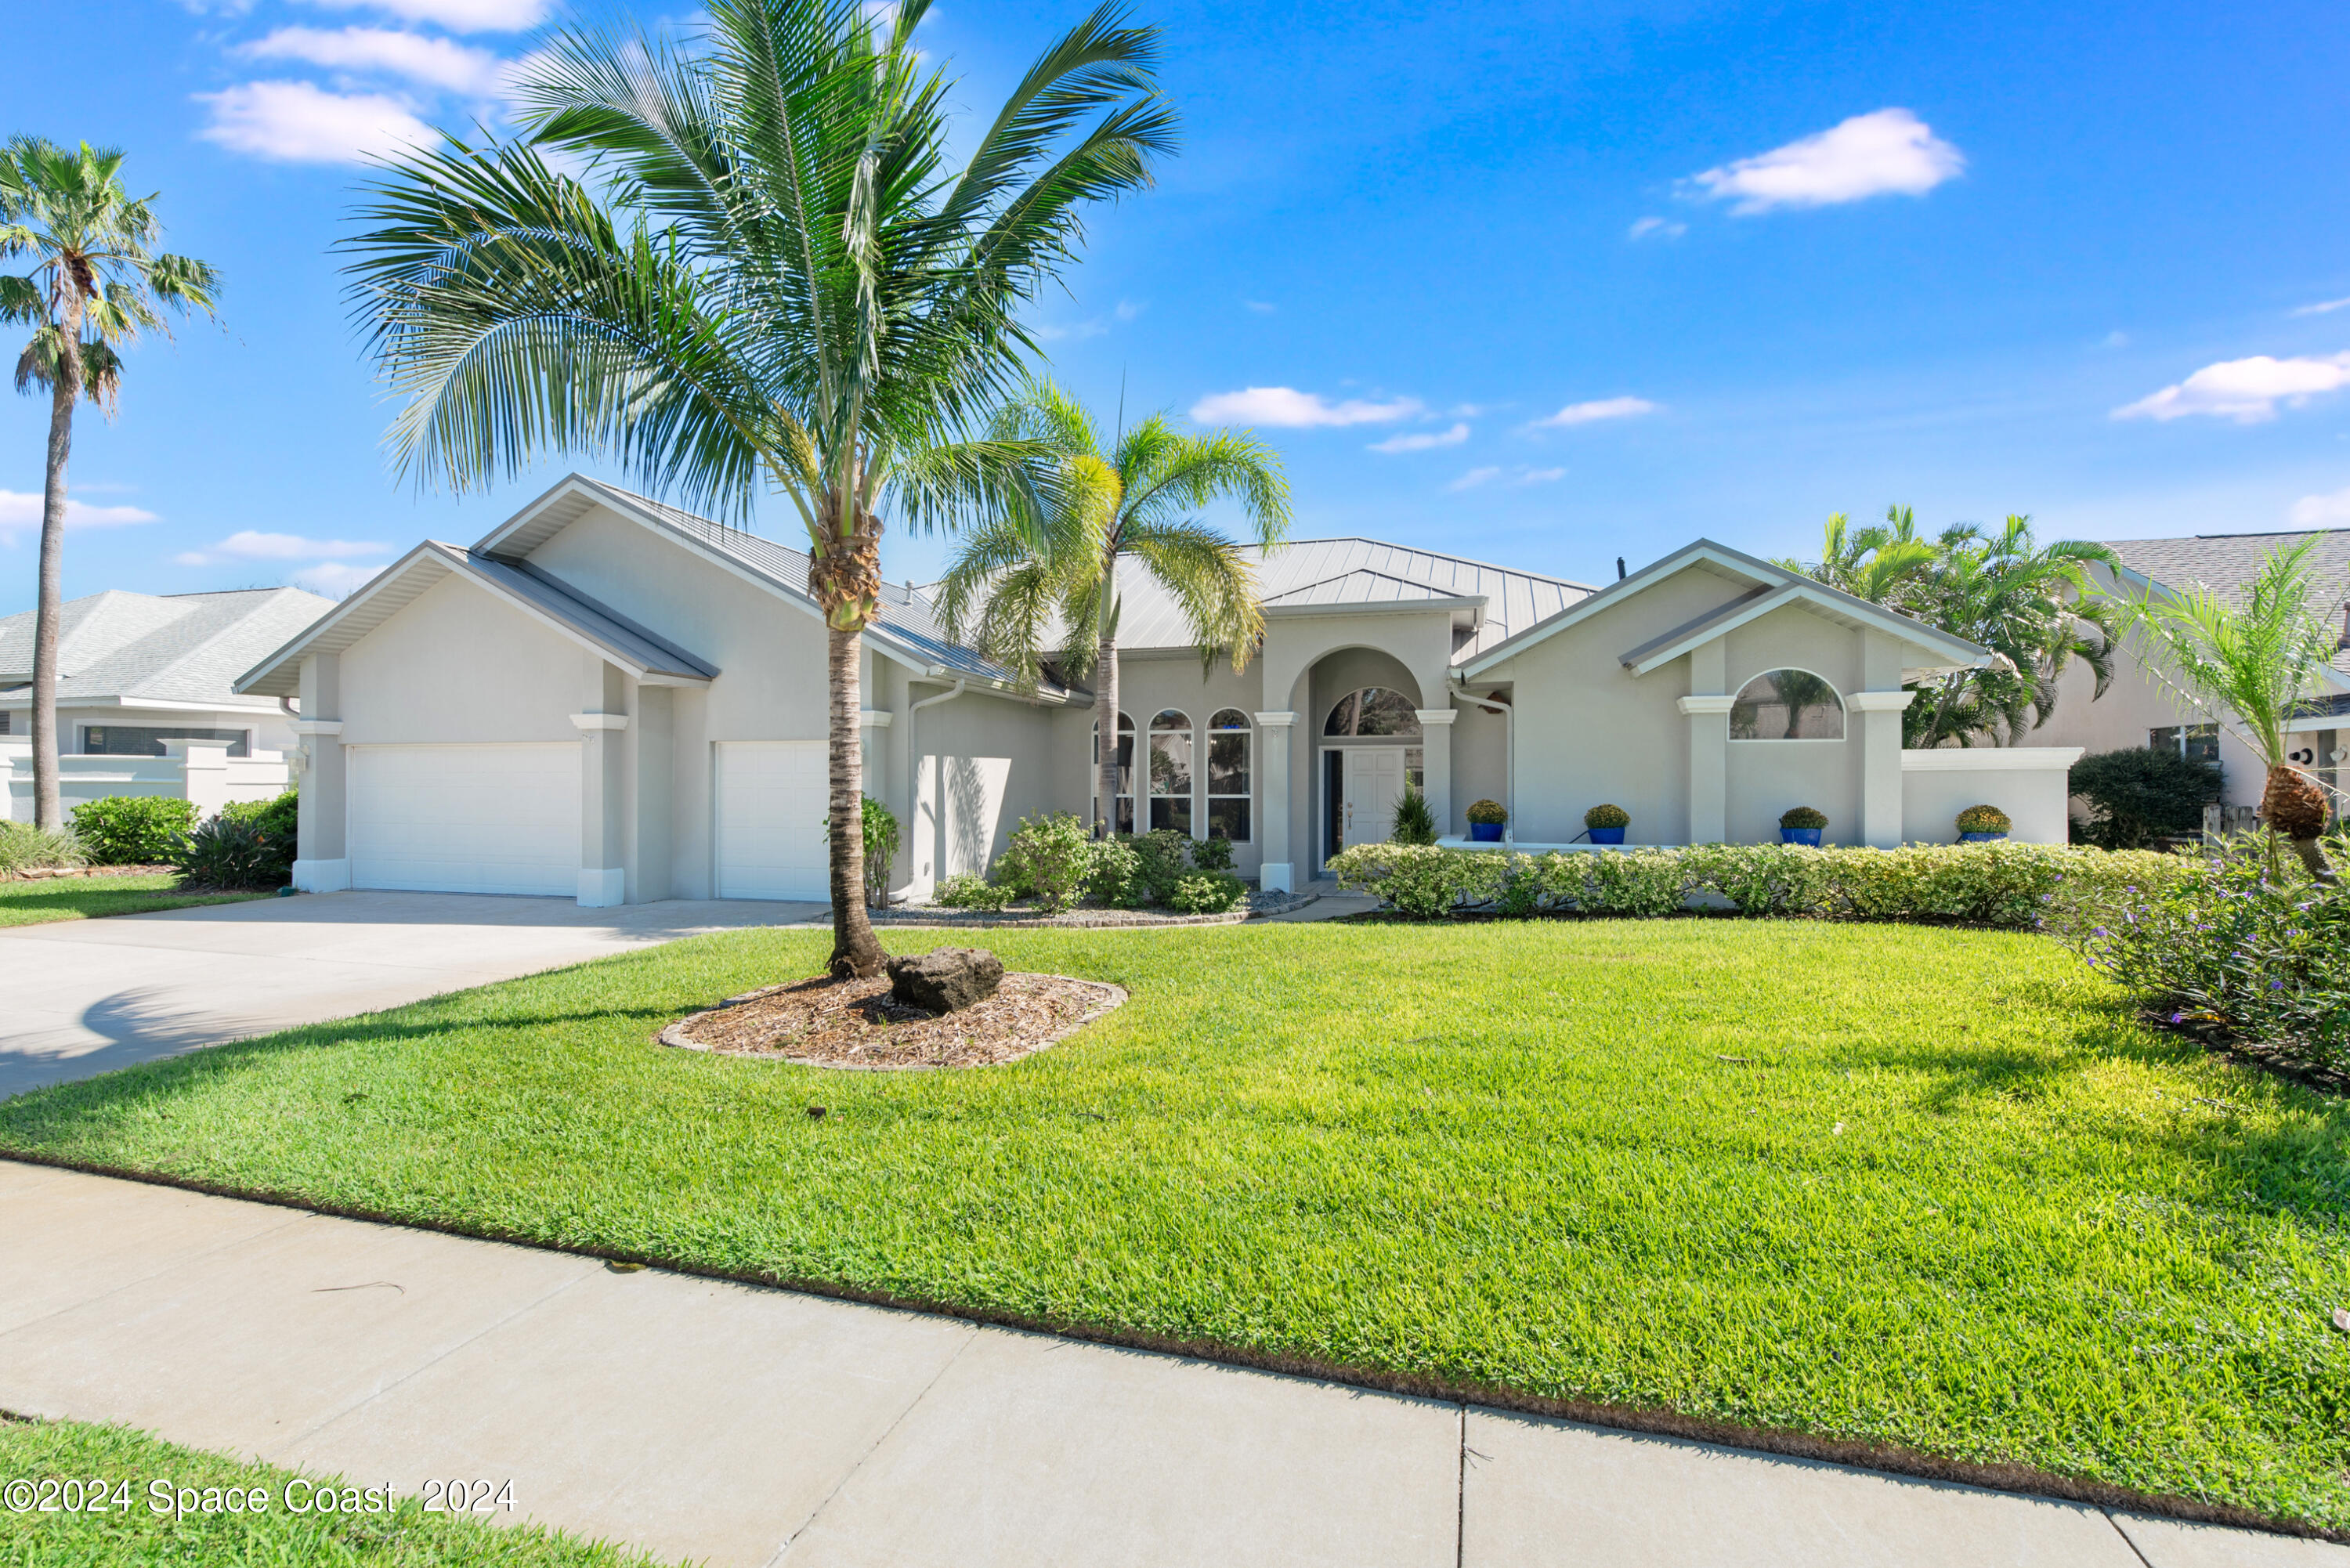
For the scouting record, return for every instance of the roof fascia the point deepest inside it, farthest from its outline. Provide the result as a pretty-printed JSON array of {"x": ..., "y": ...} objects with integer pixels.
[
  {"x": 426, "y": 551},
  {"x": 1618, "y": 592}
]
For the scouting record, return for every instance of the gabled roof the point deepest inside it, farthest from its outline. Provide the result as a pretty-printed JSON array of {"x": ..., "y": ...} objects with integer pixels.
[
  {"x": 2223, "y": 564},
  {"x": 182, "y": 649},
  {"x": 641, "y": 653},
  {"x": 1777, "y": 586}
]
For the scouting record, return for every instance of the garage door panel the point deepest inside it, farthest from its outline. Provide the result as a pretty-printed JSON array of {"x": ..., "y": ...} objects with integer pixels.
[
  {"x": 466, "y": 819},
  {"x": 772, "y": 800}
]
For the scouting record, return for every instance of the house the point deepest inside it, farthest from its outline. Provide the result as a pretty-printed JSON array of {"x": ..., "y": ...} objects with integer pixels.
[
  {"x": 611, "y": 699},
  {"x": 2142, "y": 707},
  {"x": 141, "y": 680}
]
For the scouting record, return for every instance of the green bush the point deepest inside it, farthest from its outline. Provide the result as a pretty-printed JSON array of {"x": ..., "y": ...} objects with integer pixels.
[
  {"x": 23, "y": 848},
  {"x": 1213, "y": 854},
  {"x": 1983, "y": 819},
  {"x": 1488, "y": 811},
  {"x": 1114, "y": 874},
  {"x": 132, "y": 829},
  {"x": 1165, "y": 857},
  {"x": 1803, "y": 817},
  {"x": 1047, "y": 858},
  {"x": 2142, "y": 794},
  {"x": 1209, "y": 893},
  {"x": 880, "y": 826},
  {"x": 1606, "y": 816},
  {"x": 278, "y": 823},
  {"x": 1414, "y": 823},
  {"x": 224, "y": 851},
  {"x": 965, "y": 891}
]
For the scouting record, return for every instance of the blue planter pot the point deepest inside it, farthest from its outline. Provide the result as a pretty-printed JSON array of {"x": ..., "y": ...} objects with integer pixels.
[
  {"x": 1485, "y": 832},
  {"x": 1607, "y": 835},
  {"x": 1810, "y": 835},
  {"x": 1981, "y": 838}
]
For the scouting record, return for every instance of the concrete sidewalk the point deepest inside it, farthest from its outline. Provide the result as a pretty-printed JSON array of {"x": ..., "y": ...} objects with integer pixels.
[{"x": 750, "y": 1426}]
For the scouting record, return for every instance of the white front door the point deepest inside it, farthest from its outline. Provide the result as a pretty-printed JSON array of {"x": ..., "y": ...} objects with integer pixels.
[
  {"x": 773, "y": 801},
  {"x": 1374, "y": 785},
  {"x": 466, "y": 819}
]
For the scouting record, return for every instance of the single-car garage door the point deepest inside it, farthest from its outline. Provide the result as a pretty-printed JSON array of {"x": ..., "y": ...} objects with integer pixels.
[
  {"x": 771, "y": 816},
  {"x": 466, "y": 819}
]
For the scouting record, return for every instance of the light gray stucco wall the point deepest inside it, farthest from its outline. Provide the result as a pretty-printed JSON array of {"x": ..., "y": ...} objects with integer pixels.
[
  {"x": 456, "y": 664},
  {"x": 1767, "y": 777}
]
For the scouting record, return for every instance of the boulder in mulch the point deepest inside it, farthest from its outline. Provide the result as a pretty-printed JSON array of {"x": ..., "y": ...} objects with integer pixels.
[{"x": 947, "y": 980}]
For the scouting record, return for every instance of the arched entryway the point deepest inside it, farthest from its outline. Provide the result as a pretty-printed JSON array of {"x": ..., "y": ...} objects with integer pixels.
[{"x": 1364, "y": 723}]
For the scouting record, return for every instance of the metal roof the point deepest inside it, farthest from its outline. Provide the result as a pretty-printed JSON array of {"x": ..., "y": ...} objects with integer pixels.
[
  {"x": 118, "y": 646},
  {"x": 2221, "y": 565}
]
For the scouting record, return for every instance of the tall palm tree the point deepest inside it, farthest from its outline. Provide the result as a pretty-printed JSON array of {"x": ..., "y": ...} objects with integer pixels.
[
  {"x": 2255, "y": 665},
  {"x": 96, "y": 284},
  {"x": 770, "y": 278},
  {"x": 1014, "y": 593}
]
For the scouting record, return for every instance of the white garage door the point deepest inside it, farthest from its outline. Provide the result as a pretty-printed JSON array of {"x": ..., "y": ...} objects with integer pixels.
[
  {"x": 466, "y": 819},
  {"x": 771, "y": 820}
]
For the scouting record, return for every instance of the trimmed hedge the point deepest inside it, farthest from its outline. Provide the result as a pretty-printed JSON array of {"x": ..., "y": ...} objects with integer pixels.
[
  {"x": 132, "y": 829},
  {"x": 1995, "y": 884}
]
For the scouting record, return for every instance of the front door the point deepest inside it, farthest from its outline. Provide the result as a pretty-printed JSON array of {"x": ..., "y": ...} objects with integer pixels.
[{"x": 1374, "y": 785}]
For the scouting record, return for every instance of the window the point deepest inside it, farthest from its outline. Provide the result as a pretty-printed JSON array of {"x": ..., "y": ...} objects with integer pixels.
[
  {"x": 1373, "y": 711},
  {"x": 1787, "y": 705},
  {"x": 2196, "y": 742},
  {"x": 1123, "y": 822},
  {"x": 1171, "y": 770},
  {"x": 3, "y": 722},
  {"x": 1228, "y": 775},
  {"x": 146, "y": 741}
]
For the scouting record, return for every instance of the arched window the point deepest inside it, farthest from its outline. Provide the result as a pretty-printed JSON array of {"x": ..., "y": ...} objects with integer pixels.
[
  {"x": 1373, "y": 711},
  {"x": 1787, "y": 705},
  {"x": 1228, "y": 775},
  {"x": 1123, "y": 820},
  {"x": 1171, "y": 770}
]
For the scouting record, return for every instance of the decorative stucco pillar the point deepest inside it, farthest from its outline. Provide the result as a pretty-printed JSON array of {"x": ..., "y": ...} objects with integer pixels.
[
  {"x": 324, "y": 864},
  {"x": 1879, "y": 715},
  {"x": 1436, "y": 758},
  {"x": 1709, "y": 784},
  {"x": 1278, "y": 874},
  {"x": 603, "y": 822}
]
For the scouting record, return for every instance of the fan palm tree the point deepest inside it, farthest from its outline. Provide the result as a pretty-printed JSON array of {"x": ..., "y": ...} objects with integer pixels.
[
  {"x": 95, "y": 285},
  {"x": 1014, "y": 592},
  {"x": 769, "y": 277},
  {"x": 2253, "y": 667}
]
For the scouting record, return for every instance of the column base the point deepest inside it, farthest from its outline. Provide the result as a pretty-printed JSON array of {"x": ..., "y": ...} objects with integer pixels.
[
  {"x": 322, "y": 875},
  {"x": 1274, "y": 876},
  {"x": 603, "y": 890}
]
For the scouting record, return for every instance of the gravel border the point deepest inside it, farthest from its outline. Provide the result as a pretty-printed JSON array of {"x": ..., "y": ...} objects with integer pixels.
[
  {"x": 1259, "y": 906},
  {"x": 1113, "y": 997}
]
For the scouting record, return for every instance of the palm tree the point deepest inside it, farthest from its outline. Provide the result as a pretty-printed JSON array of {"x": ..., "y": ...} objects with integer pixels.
[
  {"x": 768, "y": 278},
  {"x": 96, "y": 284},
  {"x": 1008, "y": 589},
  {"x": 2256, "y": 666}
]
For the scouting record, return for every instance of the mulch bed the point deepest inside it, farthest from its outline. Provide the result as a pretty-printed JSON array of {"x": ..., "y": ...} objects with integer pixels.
[{"x": 856, "y": 1024}]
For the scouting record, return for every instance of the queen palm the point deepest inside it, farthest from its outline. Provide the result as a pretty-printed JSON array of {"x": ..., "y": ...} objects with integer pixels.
[
  {"x": 95, "y": 285},
  {"x": 769, "y": 279},
  {"x": 1016, "y": 592}
]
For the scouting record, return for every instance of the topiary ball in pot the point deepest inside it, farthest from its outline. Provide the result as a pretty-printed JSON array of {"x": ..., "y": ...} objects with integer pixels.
[
  {"x": 1606, "y": 823},
  {"x": 1983, "y": 824},
  {"x": 1801, "y": 825},
  {"x": 1486, "y": 818}
]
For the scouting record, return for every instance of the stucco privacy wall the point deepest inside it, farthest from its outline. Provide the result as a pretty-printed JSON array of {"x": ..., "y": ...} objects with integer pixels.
[{"x": 2025, "y": 782}]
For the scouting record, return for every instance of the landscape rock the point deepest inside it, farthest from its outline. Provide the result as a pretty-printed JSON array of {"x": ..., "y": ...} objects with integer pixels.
[{"x": 946, "y": 981}]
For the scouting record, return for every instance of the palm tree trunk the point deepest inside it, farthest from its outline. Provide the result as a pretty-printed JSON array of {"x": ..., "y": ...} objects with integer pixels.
[
  {"x": 855, "y": 950},
  {"x": 48, "y": 802},
  {"x": 1106, "y": 720}
]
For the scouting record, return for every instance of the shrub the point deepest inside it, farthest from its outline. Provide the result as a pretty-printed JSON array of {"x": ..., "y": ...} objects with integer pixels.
[
  {"x": 132, "y": 829},
  {"x": 1414, "y": 823},
  {"x": 277, "y": 823},
  {"x": 964, "y": 890},
  {"x": 1047, "y": 858},
  {"x": 1803, "y": 817},
  {"x": 1114, "y": 874},
  {"x": 224, "y": 851},
  {"x": 1488, "y": 811},
  {"x": 1606, "y": 816},
  {"x": 1208, "y": 893},
  {"x": 23, "y": 848},
  {"x": 1163, "y": 856},
  {"x": 881, "y": 825},
  {"x": 1983, "y": 819},
  {"x": 1213, "y": 854},
  {"x": 2143, "y": 794}
]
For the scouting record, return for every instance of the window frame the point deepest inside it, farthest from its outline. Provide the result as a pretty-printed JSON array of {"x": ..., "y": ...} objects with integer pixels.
[
  {"x": 1188, "y": 734},
  {"x": 1244, "y": 733},
  {"x": 1844, "y": 713}
]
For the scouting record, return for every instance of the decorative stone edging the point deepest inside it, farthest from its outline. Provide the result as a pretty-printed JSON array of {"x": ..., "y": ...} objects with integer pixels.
[
  {"x": 1113, "y": 997},
  {"x": 1259, "y": 906}
]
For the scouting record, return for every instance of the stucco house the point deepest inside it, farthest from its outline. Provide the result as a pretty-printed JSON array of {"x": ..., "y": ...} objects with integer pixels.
[
  {"x": 611, "y": 699},
  {"x": 144, "y": 678}
]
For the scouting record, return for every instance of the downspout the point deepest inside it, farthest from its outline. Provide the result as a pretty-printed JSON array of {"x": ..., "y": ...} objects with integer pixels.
[
  {"x": 914, "y": 768},
  {"x": 1509, "y": 758}
]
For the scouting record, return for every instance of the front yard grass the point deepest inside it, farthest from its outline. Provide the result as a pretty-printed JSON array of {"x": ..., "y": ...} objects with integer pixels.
[
  {"x": 29, "y": 903},
  {"x": 1928, "y": 1188}
]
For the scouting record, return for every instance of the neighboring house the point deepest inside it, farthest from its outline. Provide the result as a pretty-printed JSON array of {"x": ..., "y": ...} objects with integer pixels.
[
  {"x": 614, "y": 700},
  {"x": 140, "y": 678},
  {"x": 2140, "y": 708}
]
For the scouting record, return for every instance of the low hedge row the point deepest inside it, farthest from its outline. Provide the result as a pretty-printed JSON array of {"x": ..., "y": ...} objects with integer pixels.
[{"x": 1997, "y": 883}]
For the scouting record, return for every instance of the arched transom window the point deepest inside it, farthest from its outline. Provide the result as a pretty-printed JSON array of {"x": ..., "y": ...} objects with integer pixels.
[
  {"x": 1373, "y": 711},
  {"x": 1122, "y": 820},
  {"x": 1228, "y": 734},
  {"x": 1787, "y": 705}
]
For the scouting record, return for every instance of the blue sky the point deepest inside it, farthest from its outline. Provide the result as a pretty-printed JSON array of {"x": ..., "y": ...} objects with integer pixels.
[{"x": 1539, "y": 283}]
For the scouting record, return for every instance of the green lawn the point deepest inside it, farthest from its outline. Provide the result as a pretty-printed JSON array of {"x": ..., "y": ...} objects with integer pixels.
[
  {"x": 1955, "y": 1198},
  {"x": 87, "y": 897},
  {"x": 129, "y": 1529}
]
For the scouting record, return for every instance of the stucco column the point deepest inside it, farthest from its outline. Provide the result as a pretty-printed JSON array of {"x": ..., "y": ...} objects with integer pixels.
[
  {"x": 1879, "y": 713},
  {"x": 1279, "y": 872},
  {"x": 323, "y": 862},
  {"x": 603, "y": 865},
  {"x": 1436, "y": 756},
  {"x": 1708, "y": 787}
]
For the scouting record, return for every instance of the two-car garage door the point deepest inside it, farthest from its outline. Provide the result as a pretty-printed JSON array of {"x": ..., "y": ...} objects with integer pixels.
[{"x": 466, "y": 819}]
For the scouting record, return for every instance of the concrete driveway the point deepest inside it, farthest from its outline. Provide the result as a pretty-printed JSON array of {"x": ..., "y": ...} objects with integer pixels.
[{"x": 86, "y": 997}]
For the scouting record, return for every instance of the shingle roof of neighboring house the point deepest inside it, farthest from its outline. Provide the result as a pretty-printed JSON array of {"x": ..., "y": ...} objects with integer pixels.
[
  {"x": 173, "y": 648},
  {"x": 2222, "y": 564}
]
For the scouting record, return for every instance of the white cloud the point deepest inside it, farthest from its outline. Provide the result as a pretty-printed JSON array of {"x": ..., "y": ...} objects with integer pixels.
[
  {"x": 2246, "y": 391},
  {"x": 1293, "y": 410},
  {"x": 1473, "y": 478},
  {"x": 1889, "y": 152},
  {"x": 1262, "y": 307},
  {"x": 436, "y": 61},
  {"x": 2328, "y": 510},
  {"x": 1423, "y": 439},
  {"x": 1642, "y": 228},
  {"x": 2116, "y": 339},
  {"x": 249, "y": 545},
  {"x": 300, "y": 123},
  {"x": 458, "y": 16},
  {"x": 2322, "y": 307},
  {"x": 1541, "y": 475},
  {"x": 1600, "y": 409},
  {"x": 21, "y": 513},
  {"x": 334, "y": 579}
]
